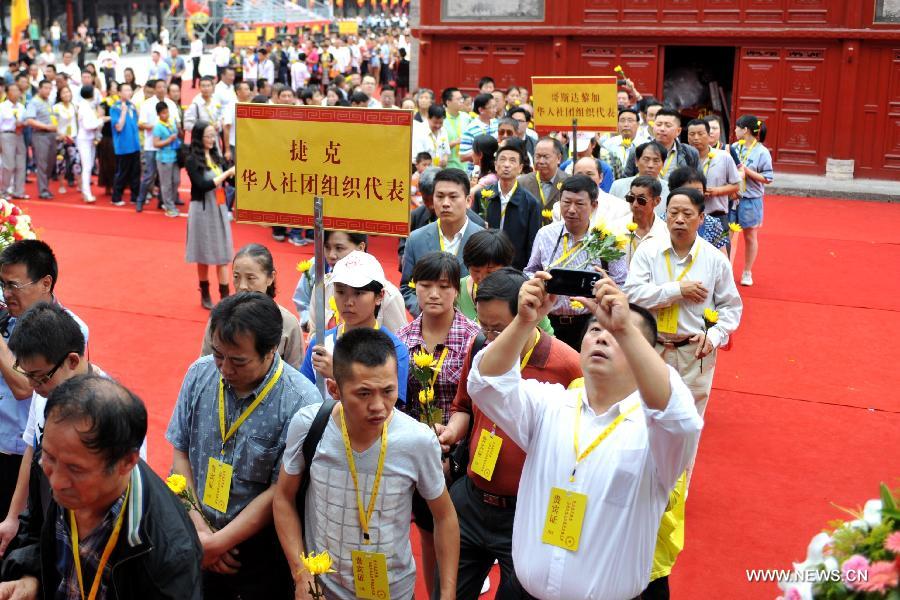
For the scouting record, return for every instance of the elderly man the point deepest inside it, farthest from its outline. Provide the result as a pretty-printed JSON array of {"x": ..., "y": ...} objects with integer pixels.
[
  {"x": 561, "y": 245},
  {"x": 641, "y": 224},
  {"x": 113, "y": 529},
  {"x": 609, "y": 208},
  {"x": 546, "y": 180},
  {"x": 39, "y": 116},
  {"x": 650, "y": 159},
  {"x": 228, "y": 431}
]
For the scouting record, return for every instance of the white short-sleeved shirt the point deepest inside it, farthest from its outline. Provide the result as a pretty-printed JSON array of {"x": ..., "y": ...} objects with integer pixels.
[
  {"x": 332, "y": 519},
  {"x": 149, "y": 116}
]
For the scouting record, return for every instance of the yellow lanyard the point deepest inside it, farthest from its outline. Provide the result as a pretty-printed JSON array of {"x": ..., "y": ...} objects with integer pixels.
[
  {"x": 107, "y": 550},
  {"x": 240, "y": 420},
  {"x": 683, "y": 273},
  {"x": 744, "y": 156},
  {"x": 706, "y": 164},
  {"x": 567, "y": 254},
  {"x": 340, "y": 330},
  {"x": 365, "y": 515},
  {"x": 527, "y": 357},
  {"x": 537, "y": 177},
  {"x": 441, "y": 239},
  {"x": 440, "y": 364},
  {"x": 603, "y": 434},
  {"x": 669, "y": 160},
  {"x": 216, "y": 169}
]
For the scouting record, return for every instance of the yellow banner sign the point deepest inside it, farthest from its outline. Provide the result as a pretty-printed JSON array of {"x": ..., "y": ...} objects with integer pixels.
[
  {"x": 247, "y": 39},
  {"x": 349, "y": 27},
  {"x": 560, "y": 100},
  {"x": 357, "y": 159}
]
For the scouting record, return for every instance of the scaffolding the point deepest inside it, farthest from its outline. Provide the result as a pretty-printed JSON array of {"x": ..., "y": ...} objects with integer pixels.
[{"x": 241, "y": 14}]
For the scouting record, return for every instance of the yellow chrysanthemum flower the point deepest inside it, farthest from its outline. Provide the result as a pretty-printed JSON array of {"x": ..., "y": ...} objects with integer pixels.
[
  {"x": 710, "y": 316},
  {"x": 735, "y": 228},
  {"x": 618, "y": 69},
  {"x": 626, "y": 142},
  {"x": 576, "y": 305},
  {"x": 621, "y": 241},
  {"x": 423, "y": 359},
  {"x": 423, "y": 397},
  {"x": 177, "y": 483},
  {"x": 547, "y": 213},
  {"x": 486, "y": 193},
  {"x": 632, "y": 227},
  {"x": 712, "y": 154},
  {"x": 431, "y": 394},
  {"x": 411, "y": 285},
  {"x": 304, "y": 265},
  {"x": 317, "y": 564}
]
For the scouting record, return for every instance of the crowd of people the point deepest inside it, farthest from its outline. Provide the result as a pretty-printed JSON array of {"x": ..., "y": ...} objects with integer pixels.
[{"x": 452, "y": 401}]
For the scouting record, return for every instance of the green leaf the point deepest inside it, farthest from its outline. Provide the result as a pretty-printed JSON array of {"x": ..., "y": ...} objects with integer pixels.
[{"x": 887, "y": 499}]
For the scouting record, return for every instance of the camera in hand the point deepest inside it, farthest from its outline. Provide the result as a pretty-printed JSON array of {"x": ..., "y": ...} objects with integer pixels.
[{"x": 572, "y": 282}]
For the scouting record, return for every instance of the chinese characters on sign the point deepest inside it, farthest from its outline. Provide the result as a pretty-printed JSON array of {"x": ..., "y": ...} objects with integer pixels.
[
  {"x": 289, "y": 155},
  {"x": 590, "y": 100}
]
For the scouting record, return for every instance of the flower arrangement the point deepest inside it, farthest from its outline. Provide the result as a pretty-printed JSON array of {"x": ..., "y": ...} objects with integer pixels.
[
  {"x": 424, "y": 369},
  {"x": 858, "y": 559},
  {"x": 14, "y": 224},
  {"x": 178, "y": 484},
  {"x": 601, "y": 244},
  {"x": 317, "y": 564}
]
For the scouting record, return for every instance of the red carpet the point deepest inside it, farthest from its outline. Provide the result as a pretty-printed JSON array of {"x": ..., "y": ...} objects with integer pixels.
[{"x": 800, "y": 415}]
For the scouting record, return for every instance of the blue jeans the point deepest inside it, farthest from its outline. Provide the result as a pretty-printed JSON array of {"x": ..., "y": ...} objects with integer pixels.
[{"x": 148, "y": 163}]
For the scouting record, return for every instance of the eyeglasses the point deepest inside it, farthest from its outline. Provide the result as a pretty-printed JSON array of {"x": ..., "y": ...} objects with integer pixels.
[
  {"x": 641, "y": 200},
  {"x": 41, "y": 379},
  {"x": 12, "y": 286},
  {"x": 490, "y": 332}
]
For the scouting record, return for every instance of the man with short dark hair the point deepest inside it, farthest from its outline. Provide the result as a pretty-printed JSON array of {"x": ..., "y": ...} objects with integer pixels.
[
  {"x": 365, "y": 384},
  {"x": 485, "y": 498},
  {"x": 433, "y": 138},
  {"x": 228, "y": 432},
  {"x": 39, "y": 116},
  {"x": 666, "y": 129},
  {"x": 83, "y": 541},
  {"x": 561, "y": 245},
  {"x": 627, "y": 135},
  {"x": 484, "y": 124},
  {"x": 147, "y": 122},
  {"x": 449, "y": 234},
  {"x": 176, "y": 66},
  {"x": 720, "y": 170},
  {"x": 650, "y": 158},
  {"x": 486, "y": 85},
  {"x": 634, "y": 429},
  {"x": 546, "y": 181},
  {"x": 127, "y": 146},
  {"x": 455, "y": 122},
  {"x": 641, "y": 224},
  {"x": 204, "y": 107},
  {"x": 508, "y": 206}
]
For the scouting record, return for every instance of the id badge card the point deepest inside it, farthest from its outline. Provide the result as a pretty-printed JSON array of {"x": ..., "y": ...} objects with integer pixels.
[
  {"x": 370, "y": 579},
  {"x": 218, "y": 485},
  {"x": 667, "y": 319},
  {"x": 486, "y": 454},
  {"x": 565, "y": 518}
]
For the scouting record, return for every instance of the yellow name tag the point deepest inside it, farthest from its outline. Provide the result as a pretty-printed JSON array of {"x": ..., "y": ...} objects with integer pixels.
[
  {"x": 565, "y": 517},
  {"x": 667, "y": 319},
  {"x": 486, "y": 454},
  {"x": 370, "y": 579},
  {"x": 218, "y": 485}
]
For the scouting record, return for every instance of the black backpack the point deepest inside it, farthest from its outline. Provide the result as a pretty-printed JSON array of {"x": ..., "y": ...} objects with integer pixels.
[{"x": 310, "y": 444}]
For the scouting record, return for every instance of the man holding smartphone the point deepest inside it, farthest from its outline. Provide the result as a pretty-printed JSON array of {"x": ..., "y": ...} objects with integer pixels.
[{"x": 560, "y": 245}]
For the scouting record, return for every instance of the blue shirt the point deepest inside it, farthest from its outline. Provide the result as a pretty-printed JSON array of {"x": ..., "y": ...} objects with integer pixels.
[
  {"x": 760, "y": 160},
  {"x": 14, "y": 413},
  {"x": 331, "y": 337},
  {"x": 168, "y": 153},
  {"x": 127, "y": 140},
  {"x": 255, "y": 449}
]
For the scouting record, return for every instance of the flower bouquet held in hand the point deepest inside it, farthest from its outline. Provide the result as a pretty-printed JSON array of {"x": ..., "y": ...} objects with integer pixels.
[
  {"x": 14, "y": 224},
  {"x": 710, "y": 318},
  {"x": 425, "y": 369},
  {"x": 601, "y": 244},
  {"x": 317, "y": 564},
  {"x": 178, "y": 484},
  {"x": 486, "y": 195},
  {"x": 853, "y": 560}
]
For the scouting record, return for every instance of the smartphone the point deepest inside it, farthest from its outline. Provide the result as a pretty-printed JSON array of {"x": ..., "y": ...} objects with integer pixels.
[{"x": 572, "y": 282}]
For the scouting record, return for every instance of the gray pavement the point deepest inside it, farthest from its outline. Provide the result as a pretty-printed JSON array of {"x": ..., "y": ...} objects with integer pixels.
[{"x": 820, "y": 186}]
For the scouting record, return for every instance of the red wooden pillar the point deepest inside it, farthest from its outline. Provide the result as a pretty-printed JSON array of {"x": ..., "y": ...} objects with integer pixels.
[
  {"x": 70, "y": 20},
  {"x": 844, "y": 129}
]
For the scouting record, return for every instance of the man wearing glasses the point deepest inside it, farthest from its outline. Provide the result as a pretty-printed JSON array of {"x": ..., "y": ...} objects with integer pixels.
[
  {"x": 643, "y": 198},
  {"x": 28, "y": 274},
  {"x": 49, "y": 347},
  {"x": 560, "y": 245},
  {"x": 485, "y": 499}
]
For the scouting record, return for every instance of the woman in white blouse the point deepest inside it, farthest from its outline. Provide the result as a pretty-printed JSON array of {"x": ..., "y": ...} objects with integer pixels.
[
  {"x": 66, "y": 128},
  {"x": 89, "y": 124}
]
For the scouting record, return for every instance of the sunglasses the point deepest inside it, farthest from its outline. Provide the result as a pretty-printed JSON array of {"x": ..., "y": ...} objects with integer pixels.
[{"x": 641, "y": 200}]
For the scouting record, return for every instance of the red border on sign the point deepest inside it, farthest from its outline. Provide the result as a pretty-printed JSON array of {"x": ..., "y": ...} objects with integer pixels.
[
  {"x": 540, "y": 80},
  {"x": 326, "y": 114},
  {"x": 548, "y": 129},
  {"x": 263, "y": 217}
]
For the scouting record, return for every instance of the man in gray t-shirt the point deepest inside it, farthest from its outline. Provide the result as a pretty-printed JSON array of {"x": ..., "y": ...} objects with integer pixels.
[{"x": 358, "y": 533}]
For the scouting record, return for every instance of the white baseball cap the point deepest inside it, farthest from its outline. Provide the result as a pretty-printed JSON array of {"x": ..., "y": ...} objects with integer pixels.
[
  {"x": 583, "y": 140},
  {"x": 358, "y": 269}
]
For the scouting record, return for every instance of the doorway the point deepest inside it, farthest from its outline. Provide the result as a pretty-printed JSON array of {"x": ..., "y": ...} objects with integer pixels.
[{"x": 699, "y": 80}]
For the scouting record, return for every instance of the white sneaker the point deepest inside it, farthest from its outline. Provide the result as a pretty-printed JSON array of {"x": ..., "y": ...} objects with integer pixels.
[
  {"x": 62, "y": 189},
  {"x": 90, "y": 199},
  {"x": 747, "y": 278},
  {"x": 486, "y": 586}
]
